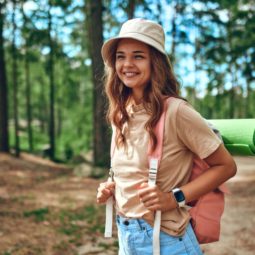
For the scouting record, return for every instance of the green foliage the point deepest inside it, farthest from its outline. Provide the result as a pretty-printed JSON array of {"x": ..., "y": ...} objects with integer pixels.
[{"x": 38, "y": 214}]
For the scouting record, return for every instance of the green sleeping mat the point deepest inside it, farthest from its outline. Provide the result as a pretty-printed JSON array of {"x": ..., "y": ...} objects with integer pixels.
[{"x": 238, "y": 135}]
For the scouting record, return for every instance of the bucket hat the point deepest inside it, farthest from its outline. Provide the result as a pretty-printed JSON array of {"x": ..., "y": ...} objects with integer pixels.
[{"x": 142, "y": 30}]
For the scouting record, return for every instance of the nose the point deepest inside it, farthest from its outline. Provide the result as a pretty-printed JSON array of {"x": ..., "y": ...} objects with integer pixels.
[{"x": 128, "y": 62}]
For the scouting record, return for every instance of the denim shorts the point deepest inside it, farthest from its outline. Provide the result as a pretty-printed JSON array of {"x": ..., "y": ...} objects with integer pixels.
[{"x": 135, "y": 238}]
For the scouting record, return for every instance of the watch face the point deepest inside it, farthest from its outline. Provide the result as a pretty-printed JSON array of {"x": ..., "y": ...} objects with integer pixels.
[{"x": 179, "y": 196}]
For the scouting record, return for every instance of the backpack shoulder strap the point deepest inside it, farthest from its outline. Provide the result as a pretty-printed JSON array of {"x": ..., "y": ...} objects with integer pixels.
[
  {"x": 171, "y": 106},
  {"x": 154, "y": 162}
]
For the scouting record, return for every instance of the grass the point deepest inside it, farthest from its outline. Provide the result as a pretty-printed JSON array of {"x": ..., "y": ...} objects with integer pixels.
[
  {"x": 71, "y": 219},
  {"x": 38, "y": 214},
  {"x": 72, "y": 225}
]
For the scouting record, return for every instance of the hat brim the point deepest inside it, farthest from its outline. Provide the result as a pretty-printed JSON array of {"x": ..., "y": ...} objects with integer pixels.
[{"x": 108, "y": 47}]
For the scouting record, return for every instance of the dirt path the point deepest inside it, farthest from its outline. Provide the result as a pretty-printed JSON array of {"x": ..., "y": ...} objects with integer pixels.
[{"x": 46, "y": 210}]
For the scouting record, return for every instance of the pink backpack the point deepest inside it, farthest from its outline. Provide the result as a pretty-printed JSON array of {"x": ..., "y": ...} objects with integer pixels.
[{"x": 206, "y": 212}]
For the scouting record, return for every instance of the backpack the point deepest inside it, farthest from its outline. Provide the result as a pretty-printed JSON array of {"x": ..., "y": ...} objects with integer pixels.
[{"x": 205, "y": 213}]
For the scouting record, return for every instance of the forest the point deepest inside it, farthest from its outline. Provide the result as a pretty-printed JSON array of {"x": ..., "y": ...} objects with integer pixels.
[{"x": 52, "y": 100}]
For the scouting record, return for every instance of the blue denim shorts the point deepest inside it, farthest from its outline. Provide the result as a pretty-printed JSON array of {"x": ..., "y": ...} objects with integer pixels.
[{"x": 135, "y": 238}]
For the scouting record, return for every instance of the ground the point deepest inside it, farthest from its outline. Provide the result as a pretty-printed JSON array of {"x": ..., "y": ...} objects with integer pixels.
[{"x": 45, "y": 209}]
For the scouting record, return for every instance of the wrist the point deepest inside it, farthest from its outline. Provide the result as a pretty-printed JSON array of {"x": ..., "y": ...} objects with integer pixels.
[{"x": 170, "y": 202}]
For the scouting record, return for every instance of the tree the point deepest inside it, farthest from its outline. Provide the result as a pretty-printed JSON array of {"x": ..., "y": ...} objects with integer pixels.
[
  {"x": 4, "y": 141},
  {"x": 52, "y": 86},
  {"x": 95, "y": 37},
  {"x": 15, "y": 81},
  {"x": 27, "y": 79}
]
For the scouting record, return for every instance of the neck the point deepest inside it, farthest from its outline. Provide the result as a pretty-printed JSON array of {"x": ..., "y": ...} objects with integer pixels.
[
  {"x": 138, "y": 101},
  {"x": 137, "y": 96}
]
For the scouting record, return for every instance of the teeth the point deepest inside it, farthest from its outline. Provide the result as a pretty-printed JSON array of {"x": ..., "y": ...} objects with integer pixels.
[{"x": 130, "y": 74}]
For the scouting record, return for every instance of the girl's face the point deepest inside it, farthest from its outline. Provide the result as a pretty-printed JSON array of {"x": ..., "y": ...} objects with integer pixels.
[{"x": 133, "y": 65}]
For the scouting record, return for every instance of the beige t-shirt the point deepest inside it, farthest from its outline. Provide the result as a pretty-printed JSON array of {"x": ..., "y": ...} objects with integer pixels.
[{"x": 186, "y": 134}]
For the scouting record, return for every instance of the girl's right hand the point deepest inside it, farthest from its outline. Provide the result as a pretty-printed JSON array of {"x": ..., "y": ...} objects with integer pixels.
[{"x": 104, "y": 191}]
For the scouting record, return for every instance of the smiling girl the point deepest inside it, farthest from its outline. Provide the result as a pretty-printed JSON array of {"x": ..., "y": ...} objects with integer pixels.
[{"x": 139, "y": 78}]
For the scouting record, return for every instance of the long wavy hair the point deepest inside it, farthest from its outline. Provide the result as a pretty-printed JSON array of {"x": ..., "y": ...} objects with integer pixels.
[{"x": 163, "y": 84}]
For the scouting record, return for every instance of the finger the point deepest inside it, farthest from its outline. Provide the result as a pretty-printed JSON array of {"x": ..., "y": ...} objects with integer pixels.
[
  {"x": 146, "y": 191},
  {"x": 152, "y": 205},
  {"x": 110, "y": 185},
  {"x": 153, "y": 208},
  {"x": 148, "y": 197},
  {"x": 102, "y": 198},
  {"x": 106, "y": 185},
  {"x": 106, "y": 192},
  {"x": 151, "y": 201},
  {"x": 148, "y": 203}
]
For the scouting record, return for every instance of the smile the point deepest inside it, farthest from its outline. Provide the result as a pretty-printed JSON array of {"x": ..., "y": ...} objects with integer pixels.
[{"x": 130, "y": 74}]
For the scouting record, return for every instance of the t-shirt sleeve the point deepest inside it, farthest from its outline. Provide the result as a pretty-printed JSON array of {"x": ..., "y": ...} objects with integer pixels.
[{"x": 194, "y": 132}]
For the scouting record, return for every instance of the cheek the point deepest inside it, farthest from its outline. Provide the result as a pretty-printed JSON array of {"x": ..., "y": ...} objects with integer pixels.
[
  {"x": 148, "y": 72},
  {"x": 117, "y": 68}
]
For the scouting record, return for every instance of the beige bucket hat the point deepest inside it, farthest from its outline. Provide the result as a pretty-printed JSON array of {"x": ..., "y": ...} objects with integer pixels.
[{"x": 142, "y": 30}]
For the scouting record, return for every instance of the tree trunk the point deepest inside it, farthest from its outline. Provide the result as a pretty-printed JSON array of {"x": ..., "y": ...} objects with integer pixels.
[
  {"x": 43, "y": 112},
  {"x": 15, "y": 83},
  {"x": 231, "y": 70},
  {"x": 101, "y": 139},
  {"x": 232, "y": 96},
  {"x": 4, "y": 141},
  {"x": 28, "y": 101},
  {"x": 59, "y": 119},
  {"x": 52, "y": 89},
  {"x": 28, "y": 88},
  {"x": 248, "y": 112},
  {"x": 131, "y": 9}
]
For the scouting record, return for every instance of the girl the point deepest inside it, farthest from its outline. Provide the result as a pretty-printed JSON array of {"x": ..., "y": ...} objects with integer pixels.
[{"x": 139, "y": 79}]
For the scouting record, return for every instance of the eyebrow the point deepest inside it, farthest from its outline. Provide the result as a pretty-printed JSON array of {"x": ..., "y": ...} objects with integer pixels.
[{"x": 136, "y": 52}]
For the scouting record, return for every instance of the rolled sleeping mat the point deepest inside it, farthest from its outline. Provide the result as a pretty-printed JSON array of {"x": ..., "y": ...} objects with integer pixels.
[{"x": 238, "y": 135}]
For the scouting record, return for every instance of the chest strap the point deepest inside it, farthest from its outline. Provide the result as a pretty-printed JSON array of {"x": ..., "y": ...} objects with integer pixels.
[
  {"x": 109, "y": 211},
  {"x": 156, "y": 228}
]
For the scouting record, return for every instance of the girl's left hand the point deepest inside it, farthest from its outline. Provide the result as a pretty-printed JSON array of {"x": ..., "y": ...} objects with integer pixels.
[{"x": 154, "y": 199}]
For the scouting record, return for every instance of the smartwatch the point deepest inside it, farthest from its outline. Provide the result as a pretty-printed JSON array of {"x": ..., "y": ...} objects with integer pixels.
[{"x": 179, "y": 197}]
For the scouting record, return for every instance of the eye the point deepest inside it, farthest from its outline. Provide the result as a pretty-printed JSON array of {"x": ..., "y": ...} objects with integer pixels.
[
  {"x": 139, "y": 56},
  {"x": 119, "y": 56}
]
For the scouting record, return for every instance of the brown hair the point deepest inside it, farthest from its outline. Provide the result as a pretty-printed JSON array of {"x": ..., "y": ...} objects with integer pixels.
[{"x": 163, "y": 84}]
